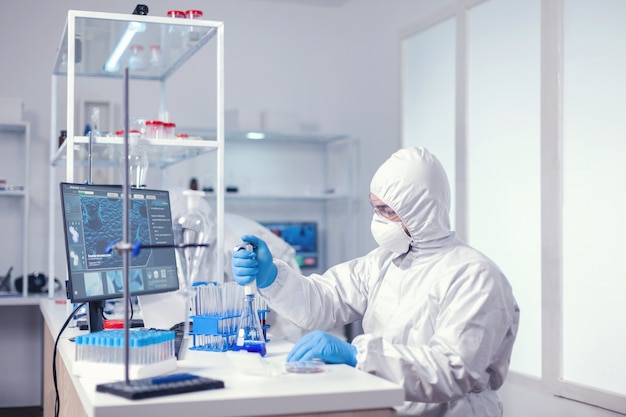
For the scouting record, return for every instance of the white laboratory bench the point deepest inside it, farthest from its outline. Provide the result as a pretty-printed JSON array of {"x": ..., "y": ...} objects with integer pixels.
[{"x": 340, "y": 390}]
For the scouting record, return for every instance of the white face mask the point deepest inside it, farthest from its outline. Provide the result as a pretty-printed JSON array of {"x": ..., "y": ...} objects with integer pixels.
[{"x": 390, "y": 235}]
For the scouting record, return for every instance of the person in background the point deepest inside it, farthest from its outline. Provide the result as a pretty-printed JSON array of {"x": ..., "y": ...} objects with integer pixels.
[
  {"x": 439, "y": 317},
  {"x": 234, "y": 226}
]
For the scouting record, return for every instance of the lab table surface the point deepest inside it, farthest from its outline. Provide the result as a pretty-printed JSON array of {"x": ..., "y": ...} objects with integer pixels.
[{"x": 339, "y": 390}]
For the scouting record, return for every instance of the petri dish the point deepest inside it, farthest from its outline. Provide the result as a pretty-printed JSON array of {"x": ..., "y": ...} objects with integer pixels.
[{"x": 305, "y": 367}]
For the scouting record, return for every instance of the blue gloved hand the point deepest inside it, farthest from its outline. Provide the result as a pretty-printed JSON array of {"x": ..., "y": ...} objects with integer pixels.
[
  {"x": 248, "y": 266},
  {"x": 324, "y": 346}
]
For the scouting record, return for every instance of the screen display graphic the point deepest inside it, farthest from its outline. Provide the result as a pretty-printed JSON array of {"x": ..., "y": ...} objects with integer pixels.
[{"x": 92, "y": 216}]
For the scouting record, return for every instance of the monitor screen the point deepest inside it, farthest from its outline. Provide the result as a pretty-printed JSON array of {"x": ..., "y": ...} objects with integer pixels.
[
  {"x": 92, "y": 217},
  {"x": 302, "y": 236}
]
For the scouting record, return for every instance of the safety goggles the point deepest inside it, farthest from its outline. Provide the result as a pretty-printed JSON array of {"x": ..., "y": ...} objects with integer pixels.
[{"x": 385, "y": 211}]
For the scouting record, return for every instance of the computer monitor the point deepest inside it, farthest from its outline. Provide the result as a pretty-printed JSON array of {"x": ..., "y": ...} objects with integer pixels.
[
  {"x": 92, "y": 218},
  {"x": 302, "y": 236}
]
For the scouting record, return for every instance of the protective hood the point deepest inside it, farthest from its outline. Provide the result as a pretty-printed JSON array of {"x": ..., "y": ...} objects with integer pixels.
[{"x": 414, "y": 184}]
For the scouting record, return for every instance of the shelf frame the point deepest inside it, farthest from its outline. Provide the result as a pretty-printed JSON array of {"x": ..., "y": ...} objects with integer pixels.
[{"x": 176, "y": 150}]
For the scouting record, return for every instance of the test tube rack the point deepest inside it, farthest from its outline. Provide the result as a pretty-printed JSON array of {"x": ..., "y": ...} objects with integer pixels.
[
  {"x": 217, "y": 311},
  {"x": 151, "y": 353},
  {"x": 218, "y": 333}
]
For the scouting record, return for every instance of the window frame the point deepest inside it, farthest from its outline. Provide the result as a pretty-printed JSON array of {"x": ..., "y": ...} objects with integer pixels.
[{"x": 551, "y": 165}]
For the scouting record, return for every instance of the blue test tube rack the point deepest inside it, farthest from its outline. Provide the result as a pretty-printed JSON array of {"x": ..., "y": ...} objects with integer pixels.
[
  {"x": 219, "y": 333},
  {"x": 217, "y": 311}
]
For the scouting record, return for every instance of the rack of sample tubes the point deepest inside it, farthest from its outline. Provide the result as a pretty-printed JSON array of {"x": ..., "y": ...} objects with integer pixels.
[
  {"x": 217, "y": 309},
  {"x": 151, "y": 352}
]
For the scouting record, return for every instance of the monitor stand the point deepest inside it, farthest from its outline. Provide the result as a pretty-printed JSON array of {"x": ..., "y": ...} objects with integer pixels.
[{"x": 95, "y": 314}]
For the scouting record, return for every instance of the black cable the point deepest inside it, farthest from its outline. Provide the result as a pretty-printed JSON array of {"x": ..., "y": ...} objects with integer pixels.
[{"x": 57, "y": 400}]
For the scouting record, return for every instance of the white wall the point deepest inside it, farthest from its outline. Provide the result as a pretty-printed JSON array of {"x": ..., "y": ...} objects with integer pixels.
[{"x": 336, "y": 66}]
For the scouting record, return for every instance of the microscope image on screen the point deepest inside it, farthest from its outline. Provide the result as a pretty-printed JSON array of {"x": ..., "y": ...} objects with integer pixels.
[
  {"x": 115, "y": 281},
  {"x": 93, "y": 216},
  {"x": 102, "y": 225}
]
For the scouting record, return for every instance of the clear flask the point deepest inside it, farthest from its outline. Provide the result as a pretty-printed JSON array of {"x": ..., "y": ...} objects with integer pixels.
[
  {"x": 192, "y": 232},
  {"x": 250, "y": 335}
]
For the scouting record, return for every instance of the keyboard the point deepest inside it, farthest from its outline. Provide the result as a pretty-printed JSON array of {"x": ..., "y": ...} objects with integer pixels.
[{"x": 160, "y": 386}]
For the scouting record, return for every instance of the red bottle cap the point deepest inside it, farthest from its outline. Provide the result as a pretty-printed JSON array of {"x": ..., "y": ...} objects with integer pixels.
[
  {"x": 176, "y": 13},
  {"x": 114, "y": 324},
  {"x": 193, "y": 14}
]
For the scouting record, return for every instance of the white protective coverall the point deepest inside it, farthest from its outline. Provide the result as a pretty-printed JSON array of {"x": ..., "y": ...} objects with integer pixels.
[{"x": 439, "y": 320}]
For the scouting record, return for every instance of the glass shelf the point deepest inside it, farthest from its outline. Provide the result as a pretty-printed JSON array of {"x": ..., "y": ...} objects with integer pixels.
[
  {"x": 268, "y": 136},
  {"x": 12, "y": 193},
  {"x": 166, "y": 43},
  {"x": 107, "y": 150},
  {"x": 16, "y": 127},
  {"x": 275, "y": 197}
]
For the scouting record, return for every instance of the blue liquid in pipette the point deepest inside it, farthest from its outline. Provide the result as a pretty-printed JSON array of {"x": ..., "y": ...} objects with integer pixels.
[{"x": 252, "y": 346}]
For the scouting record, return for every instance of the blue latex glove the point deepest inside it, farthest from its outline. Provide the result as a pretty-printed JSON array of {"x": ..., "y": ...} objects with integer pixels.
[
  {"x": 248, "y": 266},
  {"x": 324, "y": 346}
]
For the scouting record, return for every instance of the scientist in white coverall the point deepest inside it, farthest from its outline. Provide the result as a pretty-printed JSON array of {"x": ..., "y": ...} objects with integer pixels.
[{"x": 439, "y": 317}]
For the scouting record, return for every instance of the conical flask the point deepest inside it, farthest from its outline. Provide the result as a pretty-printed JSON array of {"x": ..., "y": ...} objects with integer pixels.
[
  {"x": 191, "y": 236},
  {"x": 250, "y": 332}
]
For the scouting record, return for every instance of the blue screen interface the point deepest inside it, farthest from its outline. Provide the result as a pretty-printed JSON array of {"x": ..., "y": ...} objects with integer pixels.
[{"x": 92, "y": 217}]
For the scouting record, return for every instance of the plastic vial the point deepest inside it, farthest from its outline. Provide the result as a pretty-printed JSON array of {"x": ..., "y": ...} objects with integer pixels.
[
  {"x": 138, "y": 125},
  {"x": 176, "y": 32},
  {"x": 154, "y": 129},
  {"x": 169, "y": 130},
  {"x": 136, "y": 60},
  {"x": 194, "y": 32},
  {"x": 155, "y": 55}
]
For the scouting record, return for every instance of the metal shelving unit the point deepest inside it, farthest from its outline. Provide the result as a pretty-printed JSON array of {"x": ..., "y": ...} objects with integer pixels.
[
  {"x": 89, "y": 42},
  {"x": 312, "y": 178}
]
